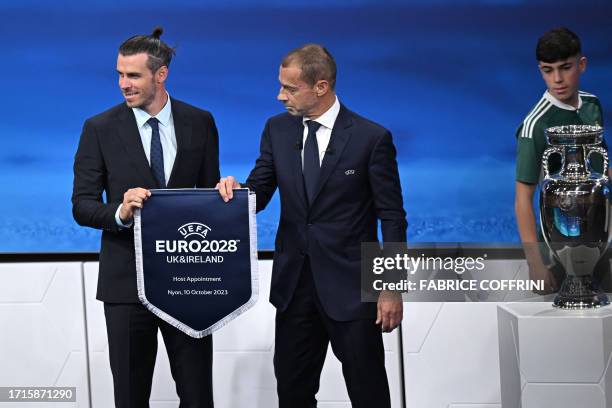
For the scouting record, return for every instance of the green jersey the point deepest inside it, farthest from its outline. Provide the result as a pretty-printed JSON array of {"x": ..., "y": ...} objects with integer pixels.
[{"x": 548, "y": 112}]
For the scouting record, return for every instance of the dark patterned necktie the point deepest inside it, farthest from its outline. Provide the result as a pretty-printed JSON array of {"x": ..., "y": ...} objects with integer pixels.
[
  {"x": 312, "y": 166},
  {"x": 157, "y": 153}
]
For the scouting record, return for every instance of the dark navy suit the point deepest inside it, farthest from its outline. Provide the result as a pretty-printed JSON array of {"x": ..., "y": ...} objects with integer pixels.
[
  {"x": 110, "y": 160},
  {"x": 316, "y": 271}
]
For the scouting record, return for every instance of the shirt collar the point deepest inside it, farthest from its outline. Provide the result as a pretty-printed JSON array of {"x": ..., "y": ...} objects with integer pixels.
[
  {"x": 560, "y": 104},
  {"x": 329, "y": 117},
  {"x": 163, "y": 116}
]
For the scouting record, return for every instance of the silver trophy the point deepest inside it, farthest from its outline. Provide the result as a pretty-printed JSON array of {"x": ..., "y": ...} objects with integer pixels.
[{"x": 575, "y": 212}]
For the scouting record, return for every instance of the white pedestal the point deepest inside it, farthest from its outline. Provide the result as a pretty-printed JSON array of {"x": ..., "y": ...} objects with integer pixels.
[{"x": 554, "y": 358}]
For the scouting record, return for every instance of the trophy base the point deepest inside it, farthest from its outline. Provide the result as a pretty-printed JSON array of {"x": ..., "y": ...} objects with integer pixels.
[{"x": 580, "y": 292}]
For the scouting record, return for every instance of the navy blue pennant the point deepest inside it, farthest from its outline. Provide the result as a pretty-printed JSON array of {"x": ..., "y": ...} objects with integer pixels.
[{"x": 196, "y": 257}]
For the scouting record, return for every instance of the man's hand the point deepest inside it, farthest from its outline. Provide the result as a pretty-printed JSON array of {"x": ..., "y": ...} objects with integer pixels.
[
  {"x": 539, "y": 271},
  {"x": 226, "y": 186},
  {"x": 133, "y": 198},
  {"x": 390, "y": 310}
]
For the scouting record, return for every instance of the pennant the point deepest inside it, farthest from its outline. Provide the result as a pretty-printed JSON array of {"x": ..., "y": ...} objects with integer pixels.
[{"x": 196, "y": 257}]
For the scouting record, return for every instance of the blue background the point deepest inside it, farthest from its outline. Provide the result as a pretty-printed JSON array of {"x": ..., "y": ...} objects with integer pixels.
[{"x": 451, "y": 79}]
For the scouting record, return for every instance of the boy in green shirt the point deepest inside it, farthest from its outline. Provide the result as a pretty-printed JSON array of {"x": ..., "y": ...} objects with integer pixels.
[{"x": 561, "y": 64}]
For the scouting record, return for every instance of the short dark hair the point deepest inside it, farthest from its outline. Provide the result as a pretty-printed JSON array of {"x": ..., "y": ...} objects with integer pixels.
[
  {"x": 159, "y": 52},
  {"x": 558, "y": 44},
  {"x": 315, "y": 62}
]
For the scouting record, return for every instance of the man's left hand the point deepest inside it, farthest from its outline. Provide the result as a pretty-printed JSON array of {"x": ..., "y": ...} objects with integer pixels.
[{"x": 390, "y": 310}]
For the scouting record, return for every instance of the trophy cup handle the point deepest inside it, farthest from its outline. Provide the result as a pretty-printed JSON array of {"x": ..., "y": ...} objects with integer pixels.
[
  {"x": 546, "y": 155},
  {"x": 604, "y": 155}
]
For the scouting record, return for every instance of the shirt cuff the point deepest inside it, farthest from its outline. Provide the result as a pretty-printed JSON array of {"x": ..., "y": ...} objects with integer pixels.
[{"x": 118, "y": 219}]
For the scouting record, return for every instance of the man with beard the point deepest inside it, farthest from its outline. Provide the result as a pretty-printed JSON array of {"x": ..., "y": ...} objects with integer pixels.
[{"x": 150, "y": 141}]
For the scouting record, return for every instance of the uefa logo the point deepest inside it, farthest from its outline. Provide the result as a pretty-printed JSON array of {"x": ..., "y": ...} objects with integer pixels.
[{"x": 194, "y": 228}]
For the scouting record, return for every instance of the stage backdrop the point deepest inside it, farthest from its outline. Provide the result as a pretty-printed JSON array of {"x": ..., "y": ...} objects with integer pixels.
[{"x": 451, "y": 79}]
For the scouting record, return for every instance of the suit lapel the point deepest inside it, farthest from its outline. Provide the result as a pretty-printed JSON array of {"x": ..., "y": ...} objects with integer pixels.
[
  {"x": 130, "y": 137},
  {"x": 341, "y": 133},
  {"x": 182, "y": 131}
]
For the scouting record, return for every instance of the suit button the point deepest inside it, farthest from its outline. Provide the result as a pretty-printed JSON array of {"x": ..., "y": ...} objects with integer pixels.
[{"x": 310, "y": 225}]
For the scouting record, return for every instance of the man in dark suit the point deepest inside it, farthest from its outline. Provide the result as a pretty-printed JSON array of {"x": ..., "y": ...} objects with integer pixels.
[
  {"x": 150, "y": 141},
  {"x": 337, "y": 175}
]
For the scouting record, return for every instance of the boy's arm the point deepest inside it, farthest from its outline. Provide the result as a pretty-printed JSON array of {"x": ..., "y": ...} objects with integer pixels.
[
  {"x": 523, "y": 208},
  {"x": 525, "y": 219}
]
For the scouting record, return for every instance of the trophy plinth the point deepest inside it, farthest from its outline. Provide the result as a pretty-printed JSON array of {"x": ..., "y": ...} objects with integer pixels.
[{"x": 579, "y": 292}]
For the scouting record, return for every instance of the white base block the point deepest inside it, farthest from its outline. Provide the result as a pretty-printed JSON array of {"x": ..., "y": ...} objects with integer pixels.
[{"x": 554, "y": 358}]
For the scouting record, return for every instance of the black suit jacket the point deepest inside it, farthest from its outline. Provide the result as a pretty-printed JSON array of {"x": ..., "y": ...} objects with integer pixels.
[
  {"x": 111, "y": 159},
  {"x": 358, "y": 185}
]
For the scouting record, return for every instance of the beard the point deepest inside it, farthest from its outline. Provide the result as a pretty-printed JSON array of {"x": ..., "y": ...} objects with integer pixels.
[{"x": 145, "y": 97}]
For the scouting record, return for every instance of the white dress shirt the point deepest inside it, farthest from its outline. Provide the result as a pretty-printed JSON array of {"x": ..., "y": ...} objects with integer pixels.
[
  {"x": 167, "y": 137},
  {"x": 327, "y": 121}
]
